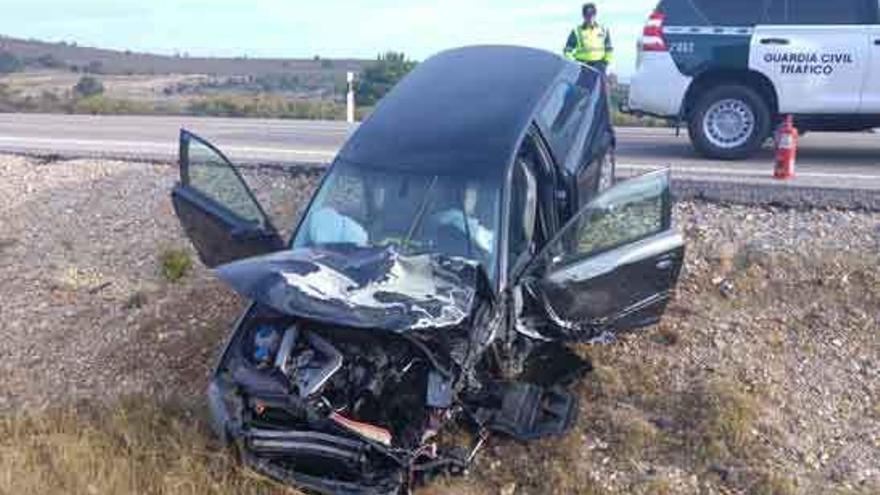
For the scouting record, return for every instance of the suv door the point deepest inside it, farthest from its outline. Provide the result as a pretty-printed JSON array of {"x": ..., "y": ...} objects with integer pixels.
[
  {"x": 216, "y": 208},
  {"x": 613, "y": 267},
  {"x": 815, "y": 52},
  {"x": 871, "y": 95}
]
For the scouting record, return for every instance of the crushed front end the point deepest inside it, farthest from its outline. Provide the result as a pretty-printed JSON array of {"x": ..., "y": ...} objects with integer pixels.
[
  {"x": 331, "y": 409},
  {"x": 344, "y": 371}
]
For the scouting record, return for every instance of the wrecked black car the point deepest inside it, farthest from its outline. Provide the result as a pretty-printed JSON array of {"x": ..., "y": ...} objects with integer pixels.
[{"x": 466, "y": 233}]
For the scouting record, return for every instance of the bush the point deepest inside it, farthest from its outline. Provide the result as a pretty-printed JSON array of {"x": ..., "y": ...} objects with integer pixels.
[
  {"x": 88, "y": 86},
  {"x": 382, "y": 75},
  {"x": 175, "y": 264},
  {"x": 101, "y": 105},
  {"x": 266, "y": 107}
]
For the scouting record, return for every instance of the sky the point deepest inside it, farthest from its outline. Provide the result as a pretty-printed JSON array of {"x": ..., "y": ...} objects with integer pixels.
[{"x": 329, "y": 28}]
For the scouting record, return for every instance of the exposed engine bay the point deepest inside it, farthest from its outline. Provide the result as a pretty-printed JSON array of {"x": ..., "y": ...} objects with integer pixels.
[
  {"x": 339, "y": 410},
  {"x": 356, "y": 379}
]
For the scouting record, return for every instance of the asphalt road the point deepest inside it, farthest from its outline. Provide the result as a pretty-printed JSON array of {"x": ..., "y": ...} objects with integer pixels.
[{"x": 836, "y": 161}]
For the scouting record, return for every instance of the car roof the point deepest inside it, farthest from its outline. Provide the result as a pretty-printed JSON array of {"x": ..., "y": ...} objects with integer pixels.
[{"x": 461, "y": 111}]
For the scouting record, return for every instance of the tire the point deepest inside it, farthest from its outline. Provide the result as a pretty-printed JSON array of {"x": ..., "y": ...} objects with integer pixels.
[{"x": 729, "y": 122}]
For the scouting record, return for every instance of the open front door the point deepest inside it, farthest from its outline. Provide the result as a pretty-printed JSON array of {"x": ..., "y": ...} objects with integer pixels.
[
  {"x": 613, "y": 267},
  {"x": 217, "y": 209}
]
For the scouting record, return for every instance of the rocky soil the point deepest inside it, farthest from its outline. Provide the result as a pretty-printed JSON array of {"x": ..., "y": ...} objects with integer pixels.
[{"x": 764, "y": 377}]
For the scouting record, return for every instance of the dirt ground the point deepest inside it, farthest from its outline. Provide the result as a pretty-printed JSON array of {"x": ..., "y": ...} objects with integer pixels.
[{"x": 763, "y": 378}]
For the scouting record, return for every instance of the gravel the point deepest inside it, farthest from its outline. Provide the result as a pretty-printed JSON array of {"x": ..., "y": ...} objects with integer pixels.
[{"x": 86, "y": 314}]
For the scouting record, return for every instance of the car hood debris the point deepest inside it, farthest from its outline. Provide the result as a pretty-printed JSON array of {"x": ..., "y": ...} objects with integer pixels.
[{"x": 361, "y": 288}]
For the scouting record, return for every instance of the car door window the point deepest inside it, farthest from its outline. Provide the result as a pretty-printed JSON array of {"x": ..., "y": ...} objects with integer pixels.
[
  {"x": 614, "y": 265},
  {"x": 738, "y": 13},
  {"x": 564, "y": 112},
  {"x": 819, "y": 12},
  {"x": 627, "y": 213},
  {"x": 523, "y": 212},
  {"x": 211, "y": 174}
]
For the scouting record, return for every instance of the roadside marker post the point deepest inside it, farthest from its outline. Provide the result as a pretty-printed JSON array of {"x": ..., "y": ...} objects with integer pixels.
[
  {"x": 350, "y": 99},
  {"x": 786, "y": 149}
]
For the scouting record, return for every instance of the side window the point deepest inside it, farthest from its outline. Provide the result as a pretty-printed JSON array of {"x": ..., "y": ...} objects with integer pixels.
[
  {"x": 818, "y": 12},
  {"x": 776, "y": 12},
  {"x": 682, "y": 13},
  {"x": 752, "y": 12},
  {"x": 523, "y": 211},
  {"x": 563, "y": 115},
  {"x": 738, "y": 13},
  {"x": 213, "y": 176},
  {"x": 628, "y": 212}
]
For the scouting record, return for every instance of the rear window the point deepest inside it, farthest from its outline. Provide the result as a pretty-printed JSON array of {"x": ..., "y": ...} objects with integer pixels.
[{"x": 752, "y": 12}]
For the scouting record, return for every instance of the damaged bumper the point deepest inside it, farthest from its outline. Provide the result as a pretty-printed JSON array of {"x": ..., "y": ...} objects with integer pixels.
[{"x": 323, "y": 462}]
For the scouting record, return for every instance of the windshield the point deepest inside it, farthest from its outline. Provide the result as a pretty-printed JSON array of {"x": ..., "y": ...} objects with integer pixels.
[{"x": 419, "y": 213}]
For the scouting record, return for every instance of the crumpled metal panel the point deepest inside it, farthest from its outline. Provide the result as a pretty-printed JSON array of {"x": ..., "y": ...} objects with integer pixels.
[{"x": 361, "y": 288}]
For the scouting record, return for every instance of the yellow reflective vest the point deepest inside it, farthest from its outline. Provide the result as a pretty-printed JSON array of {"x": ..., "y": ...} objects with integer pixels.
[{"x": 593, "y": 45}]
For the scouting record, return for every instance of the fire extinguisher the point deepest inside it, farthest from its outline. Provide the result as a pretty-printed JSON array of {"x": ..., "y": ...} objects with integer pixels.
[{"x": 786, "y": 149}]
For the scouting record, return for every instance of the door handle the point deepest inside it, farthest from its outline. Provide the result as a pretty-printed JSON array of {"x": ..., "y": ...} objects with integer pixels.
[
  {"x": 877, "y": 42},
  {"x": 774, "y": 41},
  {"x": 664, "y": 264}
]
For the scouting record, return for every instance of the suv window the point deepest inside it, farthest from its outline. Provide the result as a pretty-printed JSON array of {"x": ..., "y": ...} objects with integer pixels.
[
  {"x": 726, "y": 13},
  {"x": 712, "y": 12},
  {"x": 752, "y": 12},
  {"x": 824, "y": 12}
]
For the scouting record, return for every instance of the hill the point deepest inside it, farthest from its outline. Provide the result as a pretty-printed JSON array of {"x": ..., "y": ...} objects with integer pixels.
[
  {"x": 38, "y": 76},
  {"x": 43, "y": 55}
]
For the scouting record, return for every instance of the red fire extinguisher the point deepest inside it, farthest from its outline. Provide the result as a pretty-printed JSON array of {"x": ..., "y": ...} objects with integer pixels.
[{"x": 786, "y": 149}]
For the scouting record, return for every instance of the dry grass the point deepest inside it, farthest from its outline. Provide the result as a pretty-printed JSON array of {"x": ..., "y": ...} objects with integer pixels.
[
  {"x": 725, "y": 422},
  {"x": 678, "y": 410},
  {"x": 134, "y": 448},
  {"x": 769, "y": 483}
]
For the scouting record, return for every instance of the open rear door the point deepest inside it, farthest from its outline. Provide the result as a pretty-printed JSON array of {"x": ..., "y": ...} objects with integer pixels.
[
  {"x": 217, "y": 210},
  {"x": 613, "y": 267}
]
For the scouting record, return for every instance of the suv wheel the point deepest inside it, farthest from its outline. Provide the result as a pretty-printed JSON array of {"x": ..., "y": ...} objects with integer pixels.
[{"x": 729, "y": 122}]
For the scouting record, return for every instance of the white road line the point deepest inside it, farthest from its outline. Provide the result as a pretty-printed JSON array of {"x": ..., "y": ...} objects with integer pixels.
[{"x": 751, "y": 173}]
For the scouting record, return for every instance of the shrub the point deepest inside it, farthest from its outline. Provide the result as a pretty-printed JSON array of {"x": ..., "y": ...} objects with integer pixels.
[
  {"x": 101, "y": 105},
  {"x": 88, "y": 86},
  {"x": 264, "y": 106},
  {"x": 379, "y": 77},
  {"x": 175, "y": 264}
]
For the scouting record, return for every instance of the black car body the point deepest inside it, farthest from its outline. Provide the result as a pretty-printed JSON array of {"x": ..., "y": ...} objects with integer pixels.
[{"x": 461, "y": 238}]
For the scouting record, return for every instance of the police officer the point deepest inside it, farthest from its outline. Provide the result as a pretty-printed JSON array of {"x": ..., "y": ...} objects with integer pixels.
[{"x": 590, "y": 42}]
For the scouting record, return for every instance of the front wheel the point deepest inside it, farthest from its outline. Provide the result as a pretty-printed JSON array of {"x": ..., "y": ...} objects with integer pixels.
[{"x": 729, "y": 123}]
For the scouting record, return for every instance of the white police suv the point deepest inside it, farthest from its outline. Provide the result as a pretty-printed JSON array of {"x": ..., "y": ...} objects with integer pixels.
[{"x": 731, "y": 68}]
